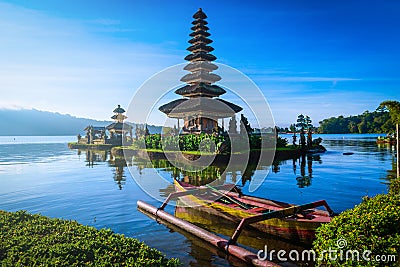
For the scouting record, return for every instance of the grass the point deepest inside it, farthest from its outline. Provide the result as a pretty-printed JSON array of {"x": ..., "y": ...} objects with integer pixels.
[
  {"x": 88, "y": 145},
  {"x": 184, "y": 152},
  {"x": 35, "y": 240},
  {"x": 287, "y": 148}
]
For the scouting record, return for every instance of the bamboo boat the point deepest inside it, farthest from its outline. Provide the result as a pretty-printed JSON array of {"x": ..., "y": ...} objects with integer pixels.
[{"x": 288, "y": 221}]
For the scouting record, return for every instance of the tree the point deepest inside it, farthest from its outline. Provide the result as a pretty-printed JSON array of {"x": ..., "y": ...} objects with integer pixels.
[
  {"x": 245, "y": 127},
  {"x": 301, "y": 125},
  {"x": 140, "y": 131},
  {"x": 232, "y": 125},
  {"x": 308, "y": 121},
  {"x": 394, "y": 109},
  {"x": 378, "y": 121}
]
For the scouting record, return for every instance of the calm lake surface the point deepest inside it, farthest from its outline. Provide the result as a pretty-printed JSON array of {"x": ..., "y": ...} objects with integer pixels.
[{"x": 41, "y": 175}]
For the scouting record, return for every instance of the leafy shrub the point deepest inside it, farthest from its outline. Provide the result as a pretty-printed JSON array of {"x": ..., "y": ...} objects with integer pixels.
[
  {"x": 394, "y": 187},
  {"x": 206, "y": 142},
  {"x": 373, "y": 225},
  {"x": 188, "y": 142},
  {"x": 281, "y": 142},
  {"x": 35, "y": 240},
  {"x": 317, "y": 141},
  {"x": 255, "y": 141}
]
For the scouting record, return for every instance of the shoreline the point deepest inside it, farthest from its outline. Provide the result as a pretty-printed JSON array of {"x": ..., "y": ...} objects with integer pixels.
[{"x": 279, "y": 154}]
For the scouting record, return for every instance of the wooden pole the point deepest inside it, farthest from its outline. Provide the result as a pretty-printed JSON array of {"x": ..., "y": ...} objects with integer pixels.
[
  {"x": 397, "y": 151},
  {"x": 241, "y": 253}
]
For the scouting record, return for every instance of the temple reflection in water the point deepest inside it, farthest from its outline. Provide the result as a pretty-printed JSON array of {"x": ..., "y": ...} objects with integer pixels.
[
  {"x": 94, "y": 157},
  {"x": 218, "y": 174}
]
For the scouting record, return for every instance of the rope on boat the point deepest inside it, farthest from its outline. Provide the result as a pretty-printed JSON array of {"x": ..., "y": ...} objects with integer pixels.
[{"x": 241, "y": 204}]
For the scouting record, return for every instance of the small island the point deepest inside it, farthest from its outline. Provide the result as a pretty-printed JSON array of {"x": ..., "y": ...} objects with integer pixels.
[
  {"x": 201, "y": 110},
  {"x": 96, "y": 137},
  {"x": 203, "y": 132}
]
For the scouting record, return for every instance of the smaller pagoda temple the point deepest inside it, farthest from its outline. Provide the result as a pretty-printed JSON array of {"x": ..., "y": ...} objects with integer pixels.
[
  {"x": 119, "y": 131},
  {"x": 200, "y": 108}
]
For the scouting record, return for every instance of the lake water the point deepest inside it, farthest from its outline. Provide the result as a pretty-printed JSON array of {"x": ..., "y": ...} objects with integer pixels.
[{"x": 41, "y": 175}]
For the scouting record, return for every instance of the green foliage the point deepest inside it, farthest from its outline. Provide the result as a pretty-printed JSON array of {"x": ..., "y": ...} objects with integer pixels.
[
  {"x": 304, "y": 122},
  {"x": 189, "y": 142},
  {"x": 35, "y": 240},
  {"x": 394, "y": 187},
  {"x": 281, "y": 142},
  {"x": 245, "y": 127},
  {"x": 394, "y": 109},
  {"x": 209, "y": 143},
  {"x": 291, "y": 128},
  {"x": 373, "y": 225},
  {"x": 317, "y": 142},
  {"x": 368, "y": 122}
]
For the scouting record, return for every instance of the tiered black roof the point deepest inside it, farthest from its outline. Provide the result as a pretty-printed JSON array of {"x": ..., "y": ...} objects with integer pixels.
[
  {"x": 200, "y": 43},
  {"x": 200, "y": 32},
  {"x": 119, "y": 126},
  {"x": 200, "y": 77},
  {"x": 119, "y": 109},
  {"x": 200, "y": 56},
  {"x": 200, "y": 46},
  {"x": 200, "y": 65},
  {"x": 200, "y": 26},
  {"x": 200, "y": 39},
  {"x": 196, "y": 22},
  {"x": 200, "y": 88},
  {"x": 209, "y": 107},
  {"x": 199, "y": 15}
]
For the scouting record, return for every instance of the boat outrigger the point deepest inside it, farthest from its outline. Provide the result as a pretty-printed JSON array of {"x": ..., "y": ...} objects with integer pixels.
[{"x": 288, "y": 221}]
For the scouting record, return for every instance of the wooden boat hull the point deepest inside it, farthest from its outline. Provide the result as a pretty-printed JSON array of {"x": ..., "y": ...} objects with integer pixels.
[
  {"x": 296, "y": 228},
  {"x": 250, "y": 237}
]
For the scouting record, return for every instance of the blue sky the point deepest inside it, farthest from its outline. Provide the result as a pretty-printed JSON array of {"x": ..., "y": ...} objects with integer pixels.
[{"x": 321, "y": 58}]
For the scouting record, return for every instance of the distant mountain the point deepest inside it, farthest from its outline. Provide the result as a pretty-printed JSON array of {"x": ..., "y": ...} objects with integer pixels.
[{"x": 36, "y": 122}]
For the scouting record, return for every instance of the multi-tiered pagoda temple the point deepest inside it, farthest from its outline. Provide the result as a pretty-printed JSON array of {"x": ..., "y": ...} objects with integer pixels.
[
  {"x": 200, "y": 108},
  {"x": 119, "y": 131}
]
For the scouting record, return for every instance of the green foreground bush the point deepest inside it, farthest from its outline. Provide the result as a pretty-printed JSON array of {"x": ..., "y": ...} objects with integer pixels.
[
  {"x": 373, "y": 225},
  {"x": 35, "y": 240}
]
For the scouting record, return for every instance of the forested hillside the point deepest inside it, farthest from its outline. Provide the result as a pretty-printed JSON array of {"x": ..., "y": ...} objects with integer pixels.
[{"x": 369, "y": 122}]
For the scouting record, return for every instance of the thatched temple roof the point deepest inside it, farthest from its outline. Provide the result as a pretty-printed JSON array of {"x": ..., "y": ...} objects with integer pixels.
[
  {"x": 201, "y": 89},
  {"x": 204, "y": 106},
  {"x": 119, "y": 109},
  {"x": 199, "y": 14}
]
